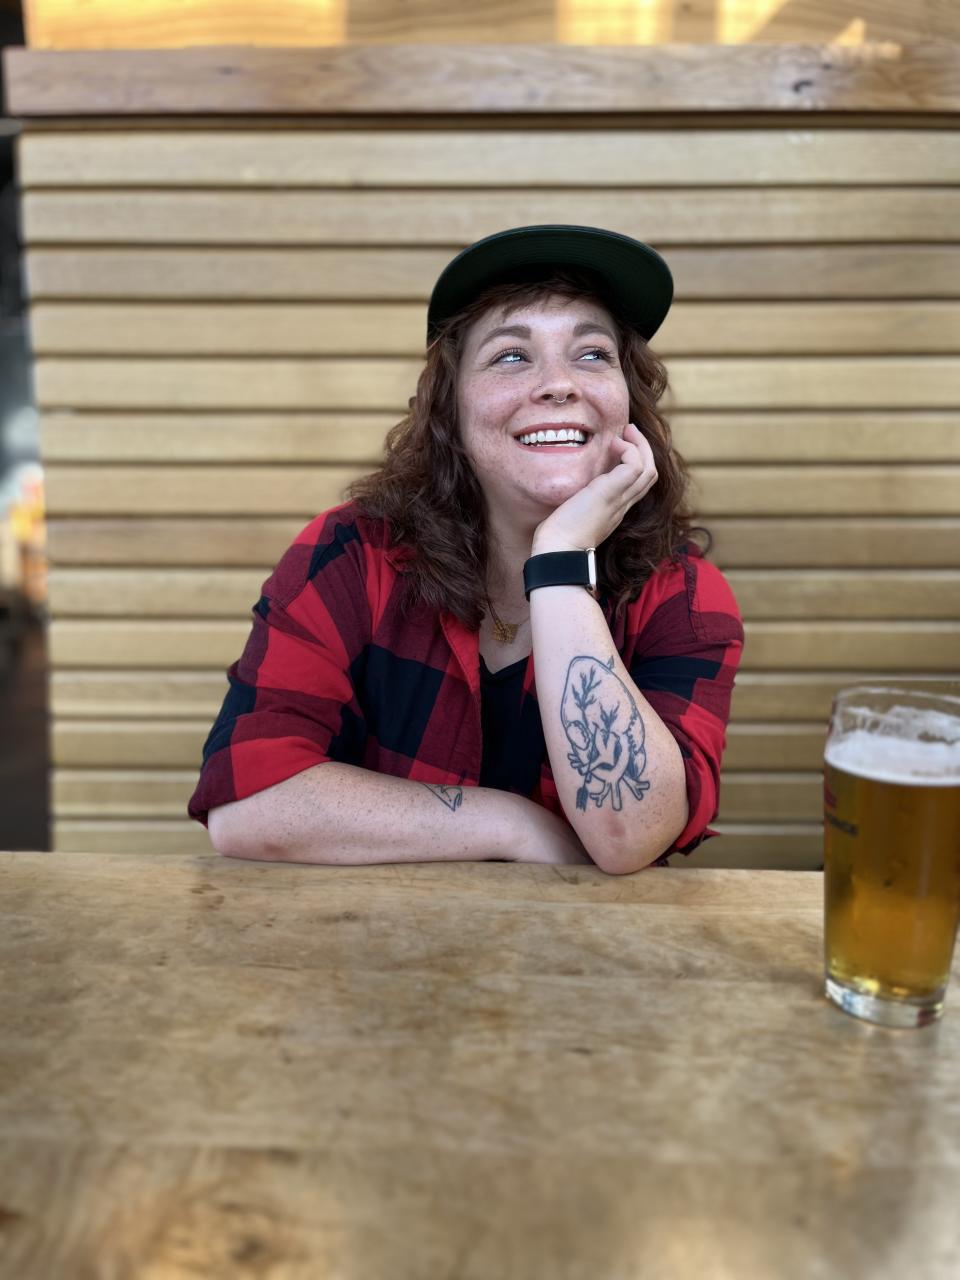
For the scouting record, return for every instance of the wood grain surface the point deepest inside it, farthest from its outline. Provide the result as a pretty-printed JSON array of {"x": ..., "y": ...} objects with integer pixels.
[
  {"x": 909, "y": 77},
  {"x": 841, "y": 540},
  {"x": 216, "y": 1067},
  {"x": 924, "y": 594},
  {"x": 215, "y": 643},
  {"x": 272, "y": 329},
  {"x": 770, "y": 271},
  {"x": 124, "y": 792},
  {"x": 584, "y": 157},
  {"x": 144, "y": 693},
  {"x": 666, "y": 217}
]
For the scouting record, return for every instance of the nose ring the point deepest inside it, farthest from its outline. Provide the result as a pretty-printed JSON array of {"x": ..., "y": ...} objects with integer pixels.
[{"x": 559, "y": 401}]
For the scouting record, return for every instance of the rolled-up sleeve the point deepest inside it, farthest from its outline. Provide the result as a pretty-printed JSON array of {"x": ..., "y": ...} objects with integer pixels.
[
  {"x": 684, "y": 661},
  {"x": 290, "y": 703}
]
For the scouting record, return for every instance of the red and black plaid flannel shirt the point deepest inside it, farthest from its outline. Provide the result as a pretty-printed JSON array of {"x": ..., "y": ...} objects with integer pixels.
[{"x": 332, "y": 670}]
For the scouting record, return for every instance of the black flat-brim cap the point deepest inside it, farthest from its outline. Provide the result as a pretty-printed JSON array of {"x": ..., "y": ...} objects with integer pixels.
[{"x": 634, "y": 277}]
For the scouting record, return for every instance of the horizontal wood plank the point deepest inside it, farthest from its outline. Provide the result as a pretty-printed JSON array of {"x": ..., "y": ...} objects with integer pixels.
[
  {"x": 846, "y": 594},
  {"x": 911, "y": 77},
  {"x": 121, "y": 793},
  {"x": 839, "y": 541},
  {"x": 288, "y": 329},
  {"x": 177, "y": 744},
  {"x": 832, "y": 435},
  {"x": 915, "y": 647},
  {"x": 771, "y": 646},
  {"x": 448, "y": 218},
  {"x": 784, "y": 696},
  {"x": 131, "y": 835},
  {"x": 501, "y": 158},
  {"x": 164, "y": 793},
  {"x": 153, "y": 593},
  {"x": 385, "y": 384},
  {"x": 789, "y": 747},
  {"x": 761, "y": 593},
  {"x": 778, "y": 696},
  {"x": 319, "y": 437},
  {"x": 751, "y": 542},
  {"x": 733, "y": 436},
  {"x": 134, "y": 744},
  {"x": 771, "y": 797},
  {"x": 180, "y": 490},
  {"x": 286, "y": 491},
  {"x": 769, "y": 846},
  {"x": 121, "y": 643},
  {"x": 822, "y": 271},
  {"x": 257, "y": 542},
  {"x": 136, "y": 695},
  {"x": 97, "y": 383},
  {"x": 819, "y": 490}
]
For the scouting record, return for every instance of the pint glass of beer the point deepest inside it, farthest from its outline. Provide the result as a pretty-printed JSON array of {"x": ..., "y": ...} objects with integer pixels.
[{"x": 892, "y": 850}]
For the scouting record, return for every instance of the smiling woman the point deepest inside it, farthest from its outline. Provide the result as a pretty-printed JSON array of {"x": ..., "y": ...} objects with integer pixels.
[{"x": 512, "y": 611}]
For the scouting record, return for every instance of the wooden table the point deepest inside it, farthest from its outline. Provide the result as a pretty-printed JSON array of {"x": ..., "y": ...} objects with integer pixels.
[{"x": 485, "y": 1071}]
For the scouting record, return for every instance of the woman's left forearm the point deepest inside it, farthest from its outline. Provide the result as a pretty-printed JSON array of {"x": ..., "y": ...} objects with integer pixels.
[{"x": 617, "y": 767}]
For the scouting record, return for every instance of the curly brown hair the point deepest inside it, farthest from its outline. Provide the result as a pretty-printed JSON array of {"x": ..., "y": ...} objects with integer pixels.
[{"x": 428, "y": 492}]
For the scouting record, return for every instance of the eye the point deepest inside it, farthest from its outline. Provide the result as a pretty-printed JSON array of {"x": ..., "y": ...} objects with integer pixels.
[
  {"x": 598, "y": 353},
  {"x": 504, "y": 357}
]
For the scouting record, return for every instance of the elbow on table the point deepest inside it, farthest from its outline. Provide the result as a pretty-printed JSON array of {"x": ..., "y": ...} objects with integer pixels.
[
  {"x": 620, "y": 857},
  {"x": 233, "y": 833},
  {"x": 620, "y": 863},
  {"x": 220, "y": 830},
  {"x": 249, "y": 829}
]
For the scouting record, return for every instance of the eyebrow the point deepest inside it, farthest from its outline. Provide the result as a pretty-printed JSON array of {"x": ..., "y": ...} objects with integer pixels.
[{"x": 523, "y": 331}]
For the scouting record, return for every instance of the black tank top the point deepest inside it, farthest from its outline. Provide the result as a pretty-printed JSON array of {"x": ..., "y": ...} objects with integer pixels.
[{"x": 513, "y": 743}]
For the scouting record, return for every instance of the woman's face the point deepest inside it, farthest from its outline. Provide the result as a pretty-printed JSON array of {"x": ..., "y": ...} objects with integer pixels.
[{"x": 551, "y": 367}]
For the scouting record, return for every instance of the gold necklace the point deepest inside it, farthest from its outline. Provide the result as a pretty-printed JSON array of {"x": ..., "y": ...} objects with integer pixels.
[{"x": 503, "y": 632}]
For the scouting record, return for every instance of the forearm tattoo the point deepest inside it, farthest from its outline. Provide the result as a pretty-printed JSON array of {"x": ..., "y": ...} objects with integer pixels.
[
  {"x": 605, "y": 733},
  {"x": 452, "y": 797}
]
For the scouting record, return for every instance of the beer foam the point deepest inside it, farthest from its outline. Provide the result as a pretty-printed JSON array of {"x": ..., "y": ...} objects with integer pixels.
[{"x": 908, "y": 761}]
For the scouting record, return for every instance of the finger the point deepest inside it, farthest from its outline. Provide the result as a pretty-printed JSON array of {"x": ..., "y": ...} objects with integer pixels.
[
  {"x": 639, "y": 440},
  {"x": 635, "y": 463},
  {"x": 642, "y": 487}
]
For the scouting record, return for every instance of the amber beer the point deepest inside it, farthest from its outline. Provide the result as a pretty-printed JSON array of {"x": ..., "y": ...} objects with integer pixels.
[{"x": 891, "y": 856}]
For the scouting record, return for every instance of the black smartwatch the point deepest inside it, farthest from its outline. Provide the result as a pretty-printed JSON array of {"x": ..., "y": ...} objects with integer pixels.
[{"x": 561, "y": 569}]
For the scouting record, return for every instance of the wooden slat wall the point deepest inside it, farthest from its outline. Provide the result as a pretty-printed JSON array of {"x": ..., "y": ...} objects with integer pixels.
[{"x": 225, "y": 321}]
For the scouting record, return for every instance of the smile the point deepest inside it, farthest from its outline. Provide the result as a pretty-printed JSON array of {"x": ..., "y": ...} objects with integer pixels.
[{"x": 571, "y": 437}]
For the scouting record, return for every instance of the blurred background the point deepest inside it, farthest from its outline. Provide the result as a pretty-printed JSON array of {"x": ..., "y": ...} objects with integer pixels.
[
  {"x": 225, "y": 249},
  {"x": 24, "y": 820}
]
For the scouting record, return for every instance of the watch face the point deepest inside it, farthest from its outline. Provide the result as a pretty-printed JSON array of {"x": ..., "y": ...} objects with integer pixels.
[{"x": 592, "y": 571}]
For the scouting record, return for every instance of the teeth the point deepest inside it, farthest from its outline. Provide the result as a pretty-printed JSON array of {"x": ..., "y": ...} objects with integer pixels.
[{"x": 562, "y": 435}]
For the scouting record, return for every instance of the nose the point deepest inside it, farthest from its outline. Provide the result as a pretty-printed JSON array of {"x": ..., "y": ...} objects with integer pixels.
[{"x": 558, "y": 385}]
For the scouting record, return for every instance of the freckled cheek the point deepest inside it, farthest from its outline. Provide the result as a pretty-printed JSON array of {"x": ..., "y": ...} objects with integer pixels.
[{"x": 485, "y": 431}]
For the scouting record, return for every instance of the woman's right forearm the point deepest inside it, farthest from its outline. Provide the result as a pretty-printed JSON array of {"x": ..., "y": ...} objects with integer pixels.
[{"x": 339, "y": 814}]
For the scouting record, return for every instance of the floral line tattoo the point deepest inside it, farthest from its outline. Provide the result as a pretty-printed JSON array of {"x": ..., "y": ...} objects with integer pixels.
[
  {"x": 452, "y": 797},
  {"x": 605, "y": 730}
]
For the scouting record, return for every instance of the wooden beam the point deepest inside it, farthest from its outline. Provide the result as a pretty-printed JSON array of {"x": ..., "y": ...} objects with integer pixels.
[{"x": 431, "y": 79}]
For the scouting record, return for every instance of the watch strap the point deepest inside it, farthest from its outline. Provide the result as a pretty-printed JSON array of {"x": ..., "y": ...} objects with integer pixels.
[{"x": 560, "y": 569}]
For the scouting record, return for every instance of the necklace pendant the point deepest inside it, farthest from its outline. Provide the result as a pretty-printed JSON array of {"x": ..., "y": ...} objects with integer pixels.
[{"x": 505, "y": 632}]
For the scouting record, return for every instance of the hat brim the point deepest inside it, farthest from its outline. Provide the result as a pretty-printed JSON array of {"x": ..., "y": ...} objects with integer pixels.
[{"x": 632, "y": 276}]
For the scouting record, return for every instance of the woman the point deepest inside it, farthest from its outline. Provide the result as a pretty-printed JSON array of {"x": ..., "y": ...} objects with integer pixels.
[{"x": 505, "y": 646}]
